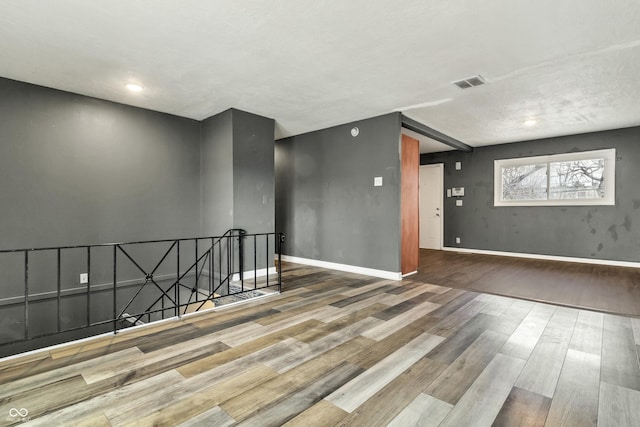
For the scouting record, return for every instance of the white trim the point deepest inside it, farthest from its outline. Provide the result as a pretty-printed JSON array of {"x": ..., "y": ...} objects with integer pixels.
[
  {"x": 56, "y": 346},
  {"x": 87, "y": 339},
  {"x": 410, "y": 274},
  {"x": 254, "y": 273},
  {"x": 383, "y": 274},
  {"x": 612, "y": 263},
  {"x": 132, "y": 328}
]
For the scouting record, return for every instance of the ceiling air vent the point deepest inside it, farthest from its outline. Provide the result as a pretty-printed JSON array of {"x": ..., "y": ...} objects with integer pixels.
[{"x": 470, "y": 82}]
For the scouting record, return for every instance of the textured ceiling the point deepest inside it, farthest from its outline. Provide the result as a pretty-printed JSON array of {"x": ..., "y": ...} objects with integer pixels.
[{"x": 572, "y": 64}]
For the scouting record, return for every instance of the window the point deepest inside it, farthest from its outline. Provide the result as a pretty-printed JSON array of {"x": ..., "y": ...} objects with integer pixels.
[{"x": 586, "y": 178}]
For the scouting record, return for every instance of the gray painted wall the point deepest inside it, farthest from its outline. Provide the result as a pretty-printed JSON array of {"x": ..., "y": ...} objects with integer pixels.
[
  {"x": 217, "y": 174},
  {"x": 237, "y": 164},
  {"x": 254, "y": 185},
  {"x": 77, "y": 170},
  {"x": 253, "y": 172},
  {"x": 238, "y": 179},
  {"x": 325, "y": 199},
  {"x": 599, "y": 232}
]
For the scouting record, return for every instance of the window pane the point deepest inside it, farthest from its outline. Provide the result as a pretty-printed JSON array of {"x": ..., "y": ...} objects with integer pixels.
[
  {"x": 526, "y": 182},
  {"x": 568, "y": 179},
  {"x": 578, "y": 179}
]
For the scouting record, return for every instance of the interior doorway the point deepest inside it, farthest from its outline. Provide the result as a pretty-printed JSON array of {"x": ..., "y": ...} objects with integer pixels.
[{"x": 430, "y": 207}]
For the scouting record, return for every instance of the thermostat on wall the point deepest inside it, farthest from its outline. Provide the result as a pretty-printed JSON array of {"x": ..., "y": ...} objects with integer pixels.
[{"x": 457, "y": 191}]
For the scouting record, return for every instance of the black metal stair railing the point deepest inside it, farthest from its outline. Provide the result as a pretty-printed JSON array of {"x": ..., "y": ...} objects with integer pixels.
[
  {"x": 177, "y": 284},
  {"x": 205, "y": 269}
]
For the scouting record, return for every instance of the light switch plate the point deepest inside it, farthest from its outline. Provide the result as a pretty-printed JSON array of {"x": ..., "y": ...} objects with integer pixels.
[
  {"x": 448, "y": 192},
  {"x": 458, "y": 202},
  {"x": 377, "y": 181},
  {"x": 457, "y": 191},
  {"x": 458, "y": 166}
]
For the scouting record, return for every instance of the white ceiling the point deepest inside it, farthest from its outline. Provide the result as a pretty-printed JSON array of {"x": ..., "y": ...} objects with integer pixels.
[
  {"x": 574, "y": 65},
  {"x": 427, "y": 145}
]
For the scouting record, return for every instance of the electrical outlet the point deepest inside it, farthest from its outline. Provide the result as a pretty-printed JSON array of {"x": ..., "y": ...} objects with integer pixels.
[
  {"x": 84, "y": 278},
  {"x": 457, "y": 240},
  {"x": 458, "y": 202}
]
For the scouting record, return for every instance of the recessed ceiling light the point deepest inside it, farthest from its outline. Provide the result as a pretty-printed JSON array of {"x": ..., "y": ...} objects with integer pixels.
[
  {"x": 530, "y": 122},
  {"x": 134, "y": 87}
]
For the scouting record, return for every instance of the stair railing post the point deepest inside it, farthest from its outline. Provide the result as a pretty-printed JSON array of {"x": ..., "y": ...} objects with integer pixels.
[
  {"x": 177, "y": 285},
  {"x": 241, "y": 257},
  {"x": 281, "y": 238},
  {"x": 26, "y": 295},
  {"x": 88, "y": 286},
  {"x": 196, "y": 260},
  {"x": 58, "y": 288},
  {"x": 115, "y": 276},
  {"x": 255, "y": 261}
]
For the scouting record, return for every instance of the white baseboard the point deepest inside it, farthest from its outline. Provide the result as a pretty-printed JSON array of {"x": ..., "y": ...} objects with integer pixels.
[
  {"x": 410, "y": 274},
  {"x": 87, "y": 339},
  {"x": 254, "y": 273},
  {"x": 546, "y": 257},
  {"x": 344, "y": 267}
]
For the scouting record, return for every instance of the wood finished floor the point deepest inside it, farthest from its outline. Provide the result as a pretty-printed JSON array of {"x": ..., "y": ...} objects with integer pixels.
[
  {"x": 597, "y": 287},
  {"x": 343, "y": 349}
]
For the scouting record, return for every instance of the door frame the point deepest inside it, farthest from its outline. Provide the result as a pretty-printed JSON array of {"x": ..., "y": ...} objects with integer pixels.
[{"x": 440, "y": 167}]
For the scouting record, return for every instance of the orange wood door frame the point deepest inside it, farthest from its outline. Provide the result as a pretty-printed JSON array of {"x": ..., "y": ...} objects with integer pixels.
[{"x": 409, "y": 204}]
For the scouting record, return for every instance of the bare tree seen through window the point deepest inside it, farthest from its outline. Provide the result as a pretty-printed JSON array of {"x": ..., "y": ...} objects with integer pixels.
[
  {"x": 580, "y": 179},
  {"x": 526, "y": 182},
  {"x": 577, "y": 178}
]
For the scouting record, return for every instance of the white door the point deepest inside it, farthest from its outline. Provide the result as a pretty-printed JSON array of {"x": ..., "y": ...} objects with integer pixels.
[{"x": 431, "y": 191}]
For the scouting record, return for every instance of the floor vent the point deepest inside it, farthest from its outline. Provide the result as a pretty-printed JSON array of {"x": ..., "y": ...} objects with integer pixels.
[{"x": 127, "y": 320}]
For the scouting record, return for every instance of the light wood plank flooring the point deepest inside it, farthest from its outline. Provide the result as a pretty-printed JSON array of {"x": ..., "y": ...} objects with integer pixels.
[{"x": 342, "y": 349}]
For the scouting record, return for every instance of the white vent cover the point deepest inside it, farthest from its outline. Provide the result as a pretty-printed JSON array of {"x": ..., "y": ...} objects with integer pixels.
[{"x": 470, "y": 82}]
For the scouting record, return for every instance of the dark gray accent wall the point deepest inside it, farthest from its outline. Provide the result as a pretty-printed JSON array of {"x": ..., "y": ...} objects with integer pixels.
[
  {"x": 77, "y": 170},
  {"x": 217, "y": 174},
  {"x": 325, "y": 199},
  {"x": 253, "y": 172},
  {"x": 598, "y": 232},
  {"x": 238, "y": 180},
  {"x": 238, "y": 173}
]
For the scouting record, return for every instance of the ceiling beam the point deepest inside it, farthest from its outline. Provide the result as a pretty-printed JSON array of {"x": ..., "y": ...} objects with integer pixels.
[{"x": 434, "y": 134}]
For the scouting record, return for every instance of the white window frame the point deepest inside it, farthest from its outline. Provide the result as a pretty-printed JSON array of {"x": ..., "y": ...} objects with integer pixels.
[{"x": 609, "y": 198}]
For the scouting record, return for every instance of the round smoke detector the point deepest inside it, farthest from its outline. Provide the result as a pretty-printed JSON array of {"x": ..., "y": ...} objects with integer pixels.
[{"x": 355, "y": 131}]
